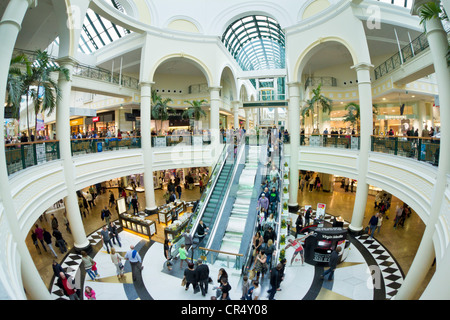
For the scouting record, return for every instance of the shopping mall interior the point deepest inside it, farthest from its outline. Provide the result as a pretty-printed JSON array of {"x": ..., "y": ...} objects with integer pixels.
[{"x": 292, "y": 147}]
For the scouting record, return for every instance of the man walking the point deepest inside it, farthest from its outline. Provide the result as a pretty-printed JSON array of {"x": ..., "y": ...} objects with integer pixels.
[
  {"x": 332, "y": 263},
  {"x": 135, "y": 260},
  {"x": 202, "y": 275},
  {"x": 105, "y": 238}
]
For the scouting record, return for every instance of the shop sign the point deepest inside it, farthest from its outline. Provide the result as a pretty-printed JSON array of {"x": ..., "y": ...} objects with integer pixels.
[
  {"x": 76, "y": 122},
  {"x": 95, "y": 119}
]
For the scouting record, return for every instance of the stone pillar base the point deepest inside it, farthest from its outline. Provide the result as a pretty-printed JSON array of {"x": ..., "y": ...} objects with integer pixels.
[
  {"x": 87, "y": 249},
  {"x": 149, "y": 212},
  {"x": 293, "y": 208}
]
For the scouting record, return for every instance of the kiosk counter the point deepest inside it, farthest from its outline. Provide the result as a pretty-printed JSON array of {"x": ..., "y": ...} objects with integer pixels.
[{"x": 319, "y": 246}]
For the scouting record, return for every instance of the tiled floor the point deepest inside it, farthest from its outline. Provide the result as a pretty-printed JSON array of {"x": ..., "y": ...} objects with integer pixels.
[{"x": 392, "y": 249}]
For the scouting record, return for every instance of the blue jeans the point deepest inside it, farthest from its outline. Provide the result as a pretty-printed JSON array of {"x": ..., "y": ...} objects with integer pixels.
[
  {"x": 372, "y": 230},
  {"x": 92, "y": 273},
  {"x": 329, "y": 271}
]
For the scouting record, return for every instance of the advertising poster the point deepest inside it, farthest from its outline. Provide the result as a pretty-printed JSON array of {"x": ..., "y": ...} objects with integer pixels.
[{"x": 320, "y": 213}]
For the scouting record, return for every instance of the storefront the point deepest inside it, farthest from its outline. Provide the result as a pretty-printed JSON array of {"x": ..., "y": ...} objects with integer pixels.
[
  {"x": 77, "y": 125},
  {"x": 102, "y": 123}
]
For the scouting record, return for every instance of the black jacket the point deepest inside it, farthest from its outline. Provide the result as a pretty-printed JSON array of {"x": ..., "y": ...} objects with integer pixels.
[
  {"x": 191, "y": 275},
  {"x": 202, "y": 272},
  {"x": 333, "y": 259},
  {"x": 201, "y": 229}
]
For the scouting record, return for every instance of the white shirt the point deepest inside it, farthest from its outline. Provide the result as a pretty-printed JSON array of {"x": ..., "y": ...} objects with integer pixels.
[{"x": 256, "y": 293}]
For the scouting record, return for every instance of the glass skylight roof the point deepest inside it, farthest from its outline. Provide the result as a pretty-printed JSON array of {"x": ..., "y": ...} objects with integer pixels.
[
  {"x": 98, "y": 31},
  {"x": 256, "y": 42}
]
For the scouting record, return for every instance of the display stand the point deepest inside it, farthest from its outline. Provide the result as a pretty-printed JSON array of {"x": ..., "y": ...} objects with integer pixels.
[
  {"x": 165, "y": 211},
  {"x": 132, "y": 223}
]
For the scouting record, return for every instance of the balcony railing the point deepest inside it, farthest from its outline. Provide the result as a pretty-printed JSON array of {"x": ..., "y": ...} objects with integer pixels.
[
  {"x": 96, "y": 145},
  {"x": 408, "y": 52},
  {"x": 419, "y": 148},
  {"x": 344, "y": 141},
  {"x": 106, "y": 76},
  {"x": 20, "y": 156}
]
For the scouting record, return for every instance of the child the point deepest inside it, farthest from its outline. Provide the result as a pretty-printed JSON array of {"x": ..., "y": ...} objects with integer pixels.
[
  {"x": 89, "y": 293},
  {"x": 245, "y": 287},
  {"x": 182, "y": 252}
]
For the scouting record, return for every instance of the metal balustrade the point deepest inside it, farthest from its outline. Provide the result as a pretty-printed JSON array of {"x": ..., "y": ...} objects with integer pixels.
[
  {"x": 406, "y": 53},
  {"x": 20, "y": 156},
  {"x": 418, "y": 148}
]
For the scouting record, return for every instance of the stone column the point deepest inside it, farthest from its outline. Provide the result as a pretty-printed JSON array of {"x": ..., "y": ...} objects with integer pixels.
[
  {"x": 365, "y": 105},
  {"x": 146, "y": 143},
  {"x": 215, "y": 102},
  {"x": 63, "y": 135},
  {"x": 294, "y": 126},
  {"x": 437, "y": 39},
  {"x": 10, "y": 25},
  {"x": 235, "y": 105}
]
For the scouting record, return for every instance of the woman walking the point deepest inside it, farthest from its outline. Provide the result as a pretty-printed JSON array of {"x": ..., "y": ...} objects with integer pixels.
[
  {"x": 117, "y": 260},
  {"x": 89, "y": 265}
]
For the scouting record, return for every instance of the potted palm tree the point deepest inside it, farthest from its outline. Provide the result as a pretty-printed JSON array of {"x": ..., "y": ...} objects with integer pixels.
[
  {"x": 39, "y": 86},
  {"x": 313, "y": 105},
  {"x": 160, "y": 109},
  {"x": 353, "y": 114},
  {"x": 194, "y": 111}
]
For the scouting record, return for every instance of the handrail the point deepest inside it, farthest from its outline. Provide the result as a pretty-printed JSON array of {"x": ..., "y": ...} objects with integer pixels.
[{"x": 224, "y": 252}]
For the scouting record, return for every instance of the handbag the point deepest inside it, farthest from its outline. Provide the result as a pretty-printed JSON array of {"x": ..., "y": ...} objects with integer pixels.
[
  {"x": 94, "y": 266},
  {"x": 183, "y": 282}
]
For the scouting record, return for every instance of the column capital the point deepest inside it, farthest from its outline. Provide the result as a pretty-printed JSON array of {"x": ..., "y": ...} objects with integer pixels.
[
  {"x": 214, "y": 88},
  {"x": 67, "y": 61},
  {"x": 146, "y": 83},
  {"x": 362, "y": 66},
  {"x": 294, "y": 84}
]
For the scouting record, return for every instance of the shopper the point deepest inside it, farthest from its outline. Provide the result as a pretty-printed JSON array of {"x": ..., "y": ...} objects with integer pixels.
[
  {"x": 255, "y": 291},
  {"x": 225, "y": 289},
  {"x": 35, "y": 241},
  {"x": 191, "y": 277},
  {"x": 67, "y": 284},
  {"x": 61, "y": 243},
  {"x": 117, "y": 260},
  {"x": 182, "y": 253},
  {"x": 48, "y": 240},
  {"x": 245, "y": 287},
  {"x": 178, "y": 189},
  {"x": 106, "y": 215},
  {"x": 40, "y": 235},
  {"x": 275, "y": 280},
  {"x": 263, "y": 202},
  {"x": 380, "y": 222},
  {"x": 373, "y": 225},
  {"x": 308, "y": 216},
  {"x": 398, "y": 215},
  {"x": 187, "y": 239},
  {"x": 55, "y": 224},
  {"x": 202, "y": 276},
  {"x": 201, "y": 232},
  {"x": 135, "y": 260},
  {"x": 89, "y": 265},
  {"x": 114, "y": 233},
  {"x": 57, "y": 269},
  {"x": 332, "y": 264},
  {"x": 261, "y": 264},
  {"x": 167, "y": 254},
  {"x": 89, "y": 293},
  {"x": 106, "y": 240},
  {"x": 298, "y": 224}
]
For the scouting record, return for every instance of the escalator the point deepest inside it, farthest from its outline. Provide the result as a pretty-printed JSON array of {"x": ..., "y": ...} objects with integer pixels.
[
  {"x": 233, "y": 236},
  {"x": 215, "y": 201}
]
